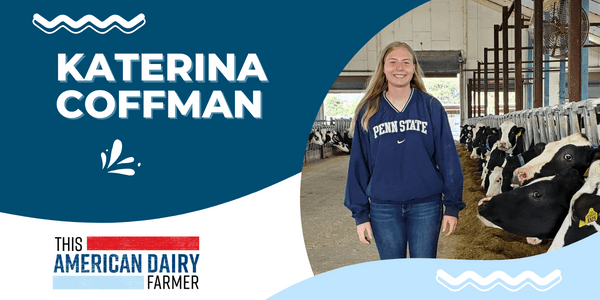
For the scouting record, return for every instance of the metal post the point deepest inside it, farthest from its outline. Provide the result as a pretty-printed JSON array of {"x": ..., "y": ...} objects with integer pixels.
[
  {"x": 538, "y": 53},
  {"x": 469, "y": 99},
  {"x": 529, "y": 75},
  {"x": 562, "y": 84},
  {"x": 485, "y": 80},
  {"x": 479, "y": 112},
  {"x": 505, "y": 79},
  {"x": 546, "y": 82},
  {"x": 518, "y": 57},
  {"x": 575, "y": 52},
  {"x": 496, "y": 71}
]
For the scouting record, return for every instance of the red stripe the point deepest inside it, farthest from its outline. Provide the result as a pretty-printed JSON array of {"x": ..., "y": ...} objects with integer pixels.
[{"x": 143, "y": 243}]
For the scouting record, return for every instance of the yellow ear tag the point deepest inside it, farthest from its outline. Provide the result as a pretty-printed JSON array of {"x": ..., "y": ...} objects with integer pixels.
[
  {"x": 519, "y": 134},
  {"x": 587, "y": 172},
  {"x": 592, "y": 216}
]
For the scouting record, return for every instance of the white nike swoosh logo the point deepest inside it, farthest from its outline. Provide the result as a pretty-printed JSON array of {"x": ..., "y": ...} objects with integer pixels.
[{"x": 402, "y": 141}]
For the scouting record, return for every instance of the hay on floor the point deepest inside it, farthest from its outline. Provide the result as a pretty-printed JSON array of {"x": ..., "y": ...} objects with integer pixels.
[{"x": 480, "y": 242}]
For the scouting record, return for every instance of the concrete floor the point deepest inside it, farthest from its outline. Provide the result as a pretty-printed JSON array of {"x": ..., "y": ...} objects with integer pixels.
[{"x": 329, "y": 230}]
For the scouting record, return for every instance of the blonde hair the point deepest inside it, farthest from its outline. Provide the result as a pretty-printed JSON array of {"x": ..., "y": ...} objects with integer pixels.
[{"x": 379, "y": 84}]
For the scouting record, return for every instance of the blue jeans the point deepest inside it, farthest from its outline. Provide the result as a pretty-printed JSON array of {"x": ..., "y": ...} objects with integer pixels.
[{"x": 395, "y": 225}]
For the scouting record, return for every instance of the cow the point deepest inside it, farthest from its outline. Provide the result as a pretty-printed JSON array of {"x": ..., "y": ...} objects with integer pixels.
[
  {"x": 582, "y": 218},
  {"x": 514, "y": 162},
  {"x": 574, "y": 151},
  {"x": 493, "y": 136},
  {"x": 338, "y": 142},
  {"x": 465, "y": 133},
  {"x": 495, "y": 159},
  {"x": 469, "y": 141},
  {"x": 478, "y": 152},
  {"x": 326, "y": 135},
  {"x": 486, "y": 138},
  {"x": 477, "y": 133},
  {"x": 512, "y": 138},
  {"x": 315, "y": 138},
  {"x": 479, "y": 142},
  {"x": 495, "y": 182},
  {"x": 535, "y": 210}
]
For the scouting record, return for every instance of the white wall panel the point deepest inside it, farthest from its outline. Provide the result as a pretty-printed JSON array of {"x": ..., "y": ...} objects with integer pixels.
[
  {"x": 456, "y": 30},
  {"x": 440, "y": 20},
  {"x": 455, "y": 6},
  {"x": 421, "y": 41},
  {"x": 472, "y": 46},
  {"x": 357, "y": 65},
  {"x": 406, "y": 28},
  {"x": 440, "y": 45},
  {"x": 422, "y": 18}
]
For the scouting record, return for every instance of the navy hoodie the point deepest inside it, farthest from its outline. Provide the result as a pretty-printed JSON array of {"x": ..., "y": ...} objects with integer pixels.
[{"x": 407, "y": 156}]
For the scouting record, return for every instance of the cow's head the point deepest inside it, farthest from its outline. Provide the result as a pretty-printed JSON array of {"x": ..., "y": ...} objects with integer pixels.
[
  {"x": 585, "y": 206},
  {"x": 480, "y": 136},
  {"x": 574, "y": 151},
  {"x": 492, "y": 137},
  {"x": 534, "y": 210},
  {"x": 315, "y": 138},
  {"x": 515, "y": 162},
  {"x": 336, "y": 140},
  {"x": 495, "y": 182},
  {"x": 496, "y": 157},
  {"x": 510, "y": 136}
]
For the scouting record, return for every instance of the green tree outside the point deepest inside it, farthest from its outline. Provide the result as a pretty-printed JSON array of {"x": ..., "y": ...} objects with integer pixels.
[
  {"x": 335, "y": 106},
  {"x": 447, "y": 90}
]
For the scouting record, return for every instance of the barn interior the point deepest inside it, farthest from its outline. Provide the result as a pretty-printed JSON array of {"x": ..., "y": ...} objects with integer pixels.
[
  {"x": 478, "y": 42},
  {"x": 549, "y": 66}
]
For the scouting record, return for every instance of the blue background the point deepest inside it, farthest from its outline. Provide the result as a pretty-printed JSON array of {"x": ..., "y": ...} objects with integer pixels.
[{"x": 51, "y": 165}]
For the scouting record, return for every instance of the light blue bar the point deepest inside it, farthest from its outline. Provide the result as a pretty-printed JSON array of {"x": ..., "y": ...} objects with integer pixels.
[{"x": 98, "y": 282}]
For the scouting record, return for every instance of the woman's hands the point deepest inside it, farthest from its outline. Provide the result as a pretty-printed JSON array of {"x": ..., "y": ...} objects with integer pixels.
[
  {"x": 450, "y": 223},
  {"x": 363, "y": 228}
]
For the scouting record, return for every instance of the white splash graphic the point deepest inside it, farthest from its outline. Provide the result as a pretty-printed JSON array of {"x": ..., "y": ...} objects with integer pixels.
[
  {"x": 498, "y": 278},
  {"x": 114, "y": 155},
  {"x": 88, "y": 21}
]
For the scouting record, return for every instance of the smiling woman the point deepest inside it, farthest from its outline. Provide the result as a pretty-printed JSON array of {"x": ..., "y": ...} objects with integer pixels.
[{"x": 403, "y": 161}]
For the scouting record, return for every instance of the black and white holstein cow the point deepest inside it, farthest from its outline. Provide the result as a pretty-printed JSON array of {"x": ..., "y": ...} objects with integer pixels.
[
  {"x": 344, "y": 143},
  {"x": 582, "y": 218},
  {"x": 466, "y": 134},
  {"x": 512, "y": 138},
  {"x": 574, "y": 151},
  {"x": 316, "y": 138},
  {"x": 473, "y": 143},
  {"x": 495, "y": 159},
  {"x": 535, "y": 210},
  {"x": 484, "y": 140},
  {"x": 497, "y": 184}
]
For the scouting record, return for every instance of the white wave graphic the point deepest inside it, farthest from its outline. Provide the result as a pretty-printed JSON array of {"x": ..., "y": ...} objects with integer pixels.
[
  {"x": 512, "y": 284},
  {"x": 50, "y": 27}
]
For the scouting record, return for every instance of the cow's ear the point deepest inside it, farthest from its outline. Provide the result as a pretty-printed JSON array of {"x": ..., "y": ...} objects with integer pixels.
[
  {"x": 539, "y": 148},
  {"x": 587, "y": 206},
  {"x": 533, "y": 145},
  {"x": 520, "y": 130},
  {"x": 594, "y": 155}
]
